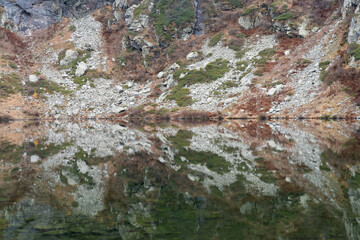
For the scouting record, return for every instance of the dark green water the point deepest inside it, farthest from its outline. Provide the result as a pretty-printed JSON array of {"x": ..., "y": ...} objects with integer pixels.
[{"x": 234, "y": 180}]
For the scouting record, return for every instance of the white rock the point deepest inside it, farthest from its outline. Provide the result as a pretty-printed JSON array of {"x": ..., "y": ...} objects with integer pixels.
[
  {"x": 182, "y": 75},
  {"x": 33, "y": 78},
  {"x": 119, "y": 88},
  {"x": 161, "y": 74},
  {"x": 118, "y": 109},
  {"x": 174, "y": 67},
  {"x": 34, "y": 158},
  {"x": 81, "y": 69},
  {"x": 192, "y": 55}
]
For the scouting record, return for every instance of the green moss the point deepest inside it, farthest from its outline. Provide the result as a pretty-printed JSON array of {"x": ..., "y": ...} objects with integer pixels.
[
  {"x": 241, "y": 53},
  {"x": 180, "y": 96},
  {"x": 212, "y": 71},
  {"x": 44, "y": 86},
  {"x": 228, "y": 84},
  {"x": 242, "y": 65},
  {"x": 323, "y": 66},
  {"x": 263, "y": 57},
  {"x": 44, "y": 151},
  {"x": 10, "y": 84},
  {"x": 214, "y": 162},
  {"x": 140, "y": 9},
  {"x": 72, "y": 28},
  {"x": 284, "y": 16},
  {"x": 13, "y": 65},
  {"x": 62, "y": 55},
  {"x": 169, "y": 15},
  {"x": 356, "y": 51},
  {"x": 248, "y": 11},
  {"x": 84, "y": 178},
  {"x": 181, "y": 139},
  {"x": 215, "y": 39}
]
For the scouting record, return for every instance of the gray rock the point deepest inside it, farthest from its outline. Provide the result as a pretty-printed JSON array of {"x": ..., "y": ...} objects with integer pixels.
[
  {"x": 70, "y": 56},
  {"x": 24, "y": 15},
  {"x": 354, "y": 30},
  {"x": 248, "y": 22}
]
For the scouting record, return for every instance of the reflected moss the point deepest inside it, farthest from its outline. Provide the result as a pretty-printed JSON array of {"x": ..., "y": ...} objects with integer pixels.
[{"x": 214, "y": 162}]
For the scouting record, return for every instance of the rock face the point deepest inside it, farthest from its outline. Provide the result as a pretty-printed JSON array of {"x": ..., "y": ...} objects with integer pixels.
[
  {"x": 248, "y": 22},
  {"x": 23, "y": 15},
  {"x": 354, "y": 30}
]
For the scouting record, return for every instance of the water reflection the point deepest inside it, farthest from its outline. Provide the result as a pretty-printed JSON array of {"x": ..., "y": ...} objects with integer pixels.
[{"x": 233, "y": 180}]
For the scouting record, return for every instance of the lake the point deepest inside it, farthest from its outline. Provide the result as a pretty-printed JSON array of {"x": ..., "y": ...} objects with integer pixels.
[{"x": 223, "y": 180}]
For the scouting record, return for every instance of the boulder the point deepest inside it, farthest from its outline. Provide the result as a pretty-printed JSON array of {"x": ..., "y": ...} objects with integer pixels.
[
  {"x": 192, "y": 55},
  {"x": 81, "y": 69},
  {"x": 275, "y": 90},
  {"x": 34, "y": 158},
  {"x": 70, "y": 56},
  {"x": 118, "y": 109},
  {"x": 248, "y": 22},
  {"x": 33, "y": 79},
  {"x": 354, "y": 30}
]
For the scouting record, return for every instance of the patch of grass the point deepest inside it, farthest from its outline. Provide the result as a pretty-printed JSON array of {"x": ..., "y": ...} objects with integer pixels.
[
  {"x": 44, "y": 86},
  {"x": 284, "y": 16},
  {"x": 72, "y": 28},
  {"x": 228, "y": 84},
  {"x": 355, "y": 52},
  {"x": 180, "y": 96},
  {"x": 140, "y": 9},
  {"x": 10, "y": 84},
  {"x": 212, "y": 71},
  {"x": 241, "y": 53},
  {"x": 13, "y": 65},
  {"x": 242, "y": 65},
  {"x": 170, "y": 15},
  {"x": 248, "y": 11},
  {"x": 215, "y": 39},
  {"x": 62, "y": 55},
  {"x": 323, "y": 66},
  {"x": 264, "y": 56},
  {"x": 214, "y": 162}
]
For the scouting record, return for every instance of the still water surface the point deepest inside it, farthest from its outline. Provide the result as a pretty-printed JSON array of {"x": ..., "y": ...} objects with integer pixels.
[{"x": 230, "y": 180}]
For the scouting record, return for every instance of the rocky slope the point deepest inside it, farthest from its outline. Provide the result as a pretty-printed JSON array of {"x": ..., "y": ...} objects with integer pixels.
[{"x": 157, "y": 59}]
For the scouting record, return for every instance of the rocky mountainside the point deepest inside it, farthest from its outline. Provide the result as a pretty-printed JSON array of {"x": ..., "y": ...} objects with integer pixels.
[{"x": 183, "y": 58}]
